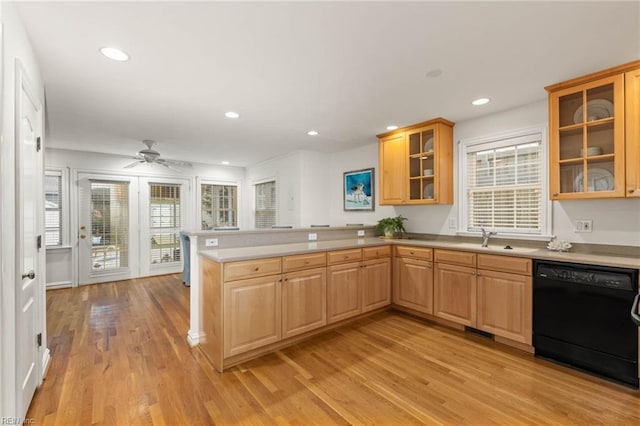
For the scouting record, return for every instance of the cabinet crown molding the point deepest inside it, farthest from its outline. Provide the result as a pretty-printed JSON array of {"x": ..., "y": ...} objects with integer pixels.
[{"x": 629, "y": 66}]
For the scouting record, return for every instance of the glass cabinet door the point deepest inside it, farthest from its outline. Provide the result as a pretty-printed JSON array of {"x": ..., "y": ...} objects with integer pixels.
[
  {"x": 422, "y": 166},
  {"x": 586, "y": 145}
]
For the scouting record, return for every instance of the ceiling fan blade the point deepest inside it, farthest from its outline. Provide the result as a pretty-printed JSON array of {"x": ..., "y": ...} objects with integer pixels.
[
  {"x": 177, "y": 163},
  {"x": 135, "y": 163},
  {"x": 164, "y": 163}
]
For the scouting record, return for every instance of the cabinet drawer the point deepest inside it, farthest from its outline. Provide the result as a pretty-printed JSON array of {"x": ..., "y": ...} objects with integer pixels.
[
  {"x": 342, "y": 256},
  {"x": 303, "y": 261},
  {"x": 374, "y": 252},
  {"x": 517, "y": 265},
  {"x": 251, "y": 268},
  {"x": 464, "y": 258},
  {"x": 414, "y": 252}
]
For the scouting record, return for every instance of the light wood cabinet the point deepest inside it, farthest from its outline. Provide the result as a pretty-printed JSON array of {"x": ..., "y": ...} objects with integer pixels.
[
  {"x": 454, "y": 293},
  {"x": 416, "y": 164},
  {"x": 505, "y": 305},
  {"x": 344, "y": 298},
  {"x": 357, "y": 287},
  {"x": 304, "y": 301},
  {"x": 632, "y": 136},
  {"x": 587, "y": 126},
  {"x": 376, "y": 283},
  {"x": 413, "y": 284},
  {"x": 303, "y": 261},
  {"x": 252, "y": 313},
  {"x": 415, "y": 252}
]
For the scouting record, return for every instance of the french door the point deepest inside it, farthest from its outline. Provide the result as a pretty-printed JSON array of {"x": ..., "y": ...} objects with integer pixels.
[
  {"x": 129, "y": 226},
  {"x": 107, "y": 220}
]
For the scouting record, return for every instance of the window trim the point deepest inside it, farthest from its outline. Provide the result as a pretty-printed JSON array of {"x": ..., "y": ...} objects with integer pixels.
[
  {"x": 211, "y": 181},
  {"x": 63, "y": 172},
  {"x": 259, "y": 181},
  {"x": 496, "y": 140}
]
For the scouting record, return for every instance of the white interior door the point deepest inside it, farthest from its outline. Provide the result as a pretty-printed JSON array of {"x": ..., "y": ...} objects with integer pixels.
[
  {"x": 108, "y": 231},
  {"x": 28, "y": 209}
]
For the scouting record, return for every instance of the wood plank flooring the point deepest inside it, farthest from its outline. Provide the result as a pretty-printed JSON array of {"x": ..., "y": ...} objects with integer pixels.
[{"x": 120, "y": 357}]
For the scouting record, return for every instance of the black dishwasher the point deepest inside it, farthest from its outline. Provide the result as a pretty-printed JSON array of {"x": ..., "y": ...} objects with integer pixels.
[{"x": 581, "y": 318}]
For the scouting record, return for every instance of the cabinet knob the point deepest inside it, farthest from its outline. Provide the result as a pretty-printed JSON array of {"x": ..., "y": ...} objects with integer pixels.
[
  {"x": 306, "y": 262},
  {"x": 429, "y": 265},
  {"x": 631, "y": 191},
  {"x": 256, "y": 269},
  {"x": 555, "y": 194},
  {"x": 478, "y": 273},
  {"x": 411, "y": 252}
]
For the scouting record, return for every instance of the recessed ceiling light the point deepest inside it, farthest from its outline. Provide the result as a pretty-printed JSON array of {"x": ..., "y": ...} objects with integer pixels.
[
  {"x": 231, "y": 114},
  {"x": 312, "y": 133},
  {"x": 394, "y": 127},
  {"x": 481, "y": 101},
  {"x": 226, "y": 163},
  {"x": 114, "y": 53}
]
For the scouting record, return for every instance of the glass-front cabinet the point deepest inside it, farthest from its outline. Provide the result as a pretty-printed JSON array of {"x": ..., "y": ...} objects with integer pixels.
[
  {"x": 586, "y": 126},
  {"x": 416, "y": 164}
]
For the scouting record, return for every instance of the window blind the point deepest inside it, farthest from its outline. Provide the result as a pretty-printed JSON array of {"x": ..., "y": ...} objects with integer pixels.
[
  {"x": 164, "y": 222},
  {"x": 219, "y": 206},
  {"x": 109, "y": 225},
  {"x": 265, "y": 202},
  {"x": 504, "y": 187},
  {"x": 53, "y": 208}
]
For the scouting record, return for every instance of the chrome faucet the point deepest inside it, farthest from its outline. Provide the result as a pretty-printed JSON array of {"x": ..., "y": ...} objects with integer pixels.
[{"x": 485, "y": 237}]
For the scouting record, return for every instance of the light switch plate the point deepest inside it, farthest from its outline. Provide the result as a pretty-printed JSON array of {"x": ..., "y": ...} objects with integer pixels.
[
  {"x": 313, "y": 236},
  {"x": 360, "y": 232},
  {"x": 211, "y": 242}
]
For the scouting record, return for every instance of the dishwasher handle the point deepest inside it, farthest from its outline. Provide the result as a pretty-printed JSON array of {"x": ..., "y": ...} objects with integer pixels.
[{"x": 634, "y": 310}]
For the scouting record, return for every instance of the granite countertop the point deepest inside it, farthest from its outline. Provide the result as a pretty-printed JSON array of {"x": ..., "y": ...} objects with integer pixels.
[{"x": 258, "y": 252}]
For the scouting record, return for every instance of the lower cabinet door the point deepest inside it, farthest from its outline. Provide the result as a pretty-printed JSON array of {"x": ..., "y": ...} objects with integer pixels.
[
  {"x": 413, "y": 284},
  {"x": 454, "y": 293},
  {"x": 504, "y": 305},
  {"x": 376, "y": 284},
  {"x": 344, "y": 299},
  {"x": 304, "y": 301},
  {"x": 252, "y": 314}
]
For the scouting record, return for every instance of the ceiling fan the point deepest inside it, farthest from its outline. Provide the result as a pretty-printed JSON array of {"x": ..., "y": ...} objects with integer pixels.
[{"x": 151, "y": 156}]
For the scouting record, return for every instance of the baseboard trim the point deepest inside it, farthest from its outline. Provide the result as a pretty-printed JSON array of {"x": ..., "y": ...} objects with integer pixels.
[
  {"x": 46, "y": 361},
  {"x": 59, "y": 284},
  {"x": 194, "y": 338}
]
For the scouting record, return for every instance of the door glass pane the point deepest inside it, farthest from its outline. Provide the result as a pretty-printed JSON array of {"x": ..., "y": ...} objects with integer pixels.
[
  {"x": 109, "y": 225},
  {"x": 164, "y": 222}
]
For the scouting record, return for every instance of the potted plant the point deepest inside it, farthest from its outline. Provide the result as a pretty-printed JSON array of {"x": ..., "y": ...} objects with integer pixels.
[{"x": 392, "y": 227}]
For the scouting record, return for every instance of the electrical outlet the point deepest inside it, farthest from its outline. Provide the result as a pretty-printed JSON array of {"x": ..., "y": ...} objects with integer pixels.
[
  {"x": 313, "y": 236},
  {"x": 360, "y": 232},
  {"x": 211, "y": 242},
  {"x": 584, "y": 225}
]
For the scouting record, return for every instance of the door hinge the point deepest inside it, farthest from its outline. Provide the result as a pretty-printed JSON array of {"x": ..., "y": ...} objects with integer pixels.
[
  {"x": 39, "y": 339},
  {"x": 39, "y": 242},
  {"x": 38, "y": 144}
]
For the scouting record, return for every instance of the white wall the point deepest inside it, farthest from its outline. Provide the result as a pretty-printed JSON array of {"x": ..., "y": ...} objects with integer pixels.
[
  {"x": 15, "y": 47},
  {"x": 286, "y": 171},
  {"x": 363, "y": 157}
]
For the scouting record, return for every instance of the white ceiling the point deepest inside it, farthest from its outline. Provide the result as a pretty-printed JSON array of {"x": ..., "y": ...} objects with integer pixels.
[{"x": 344, "y": 69}]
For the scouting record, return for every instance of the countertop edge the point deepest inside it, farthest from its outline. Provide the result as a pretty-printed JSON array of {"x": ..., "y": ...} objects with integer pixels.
[{"x": 289, "y": 249}]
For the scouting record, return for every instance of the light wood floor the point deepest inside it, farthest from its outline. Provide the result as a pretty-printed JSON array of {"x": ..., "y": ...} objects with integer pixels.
[{"x": 120, "y": 357}]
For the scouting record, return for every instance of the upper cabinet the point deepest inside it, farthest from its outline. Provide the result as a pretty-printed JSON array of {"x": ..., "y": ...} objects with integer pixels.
[
  {"x": 632, "y": 111},
  {"x": 589, "y": 118},
  {"x": 416, "y": 164}
]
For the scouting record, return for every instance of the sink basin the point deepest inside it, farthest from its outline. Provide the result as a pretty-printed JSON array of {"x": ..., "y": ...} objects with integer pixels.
[{"x": 494, "y": 248}]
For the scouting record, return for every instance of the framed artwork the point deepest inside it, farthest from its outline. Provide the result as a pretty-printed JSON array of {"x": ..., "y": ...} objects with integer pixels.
[{"x": 358, "y": 190}]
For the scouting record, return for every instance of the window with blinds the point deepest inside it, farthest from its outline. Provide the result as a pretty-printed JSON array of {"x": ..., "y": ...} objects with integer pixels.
[
  {"x": 219, "y": 205},
  {"x": 265, "y": 203},
  {"x": 53, "y": 208},
  {"x": 504, "y": 182},
  {"x": 164, "y": 222},
  {"x": 109, "y": 225}
]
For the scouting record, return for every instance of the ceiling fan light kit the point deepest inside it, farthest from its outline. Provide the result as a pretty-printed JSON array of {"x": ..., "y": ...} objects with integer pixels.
[{"x": 151, "y": 156}]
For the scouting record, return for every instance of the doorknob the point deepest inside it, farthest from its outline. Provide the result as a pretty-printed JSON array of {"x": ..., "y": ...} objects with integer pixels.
[{"x": 31, "y": 275}]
